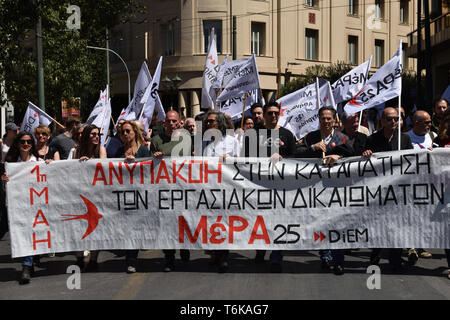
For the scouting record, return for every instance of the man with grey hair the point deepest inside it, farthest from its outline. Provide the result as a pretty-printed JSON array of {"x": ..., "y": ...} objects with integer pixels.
[{"x": 420, "y": 134}]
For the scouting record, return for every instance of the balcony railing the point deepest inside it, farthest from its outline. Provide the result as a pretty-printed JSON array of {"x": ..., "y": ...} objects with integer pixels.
[{"x": 437, "y": 25}]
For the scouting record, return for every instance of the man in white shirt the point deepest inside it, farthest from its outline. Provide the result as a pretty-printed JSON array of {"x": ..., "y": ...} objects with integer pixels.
[
  {"x": 421, "y": 138},
  {"x": 420, "y": 134}
]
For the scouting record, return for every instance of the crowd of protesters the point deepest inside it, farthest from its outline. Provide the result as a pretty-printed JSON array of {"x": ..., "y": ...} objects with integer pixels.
[{"x": 337, "y": 137}]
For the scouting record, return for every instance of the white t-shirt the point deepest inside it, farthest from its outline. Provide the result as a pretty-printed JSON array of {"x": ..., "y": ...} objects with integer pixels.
[
  {"x": 228, "y": 145},
  {"x": 421, "y": 142}
]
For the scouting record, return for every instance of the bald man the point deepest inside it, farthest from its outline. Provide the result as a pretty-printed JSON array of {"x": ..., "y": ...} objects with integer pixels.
[{"x": 420, "y": 134}]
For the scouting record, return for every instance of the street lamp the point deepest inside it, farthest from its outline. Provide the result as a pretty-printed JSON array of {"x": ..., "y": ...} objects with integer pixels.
[{"x": 128, "y": 73}]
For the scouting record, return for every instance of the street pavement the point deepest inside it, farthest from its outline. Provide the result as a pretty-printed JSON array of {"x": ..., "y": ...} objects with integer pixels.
[{"x": 301, "y": 278}]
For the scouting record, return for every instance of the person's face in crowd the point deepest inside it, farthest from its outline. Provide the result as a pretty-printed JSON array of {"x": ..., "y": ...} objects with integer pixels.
[
  {"x": 258, "y": 116},
  {"x": 11, "y": 134},
  {"x": 248, "y": 124},
  {"x": 439, "y": 108},
  {"x": 180, "y": 124},
  {"x": 42, "y": 137},
  {"x": 94, "y": 136},
  {"x": 271, "y": 116},
  {"x": 211, "y": 122},
  {"x": 119, "y": 124},
  {"x": 25, "y": 143},
  {"x": 190, "y": 126},
  {"x": 423, "y": 124},
  {"x": 351, "y": 123},
  {"x": 79, "y": 134},
  {"x": 171, "y": 123},
  {"x": 326, "y": 121},
  {"x": 127, "y": 133},
  {"x": 389, "y": 120}
]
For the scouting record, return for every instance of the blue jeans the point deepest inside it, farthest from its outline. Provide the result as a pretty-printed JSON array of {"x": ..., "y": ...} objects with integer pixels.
[{"x": 27, "y": 261}]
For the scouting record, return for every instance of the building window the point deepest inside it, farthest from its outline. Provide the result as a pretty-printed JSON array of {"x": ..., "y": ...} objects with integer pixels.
[
  {"x": 379, "y": 53},
  {"x": 310, "y": 3},
  {"x": 352, "y": 8},
  {"x": 168, "y": 39},
  {"x": 379, "y": 9},
  {"x": 207, "y": 26},
  {"x": 404, "y": 11},
  {"x": 404, "y": 56},
  {"x": 352, "y": 50},
  {"x": 312, "y": 38},
  {"x": 258, "y": 36}
]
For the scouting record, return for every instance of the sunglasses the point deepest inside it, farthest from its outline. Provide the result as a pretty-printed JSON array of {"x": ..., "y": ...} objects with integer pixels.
[
  {"x": 127, "y": 131},
  {"x": 211, "y": 120},
  {"x": 41, "y": 134},
  {"x": 25, "y": 142},
  {"x": 389, "y": 119},
  {"x": 273, "y": 113}
]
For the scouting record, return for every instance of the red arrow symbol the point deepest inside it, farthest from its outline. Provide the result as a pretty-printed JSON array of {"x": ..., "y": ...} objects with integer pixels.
[{"x": 320, "y": 236}]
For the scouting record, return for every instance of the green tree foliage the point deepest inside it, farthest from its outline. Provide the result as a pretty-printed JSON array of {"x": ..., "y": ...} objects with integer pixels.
[{"x": 70, "y": 69}]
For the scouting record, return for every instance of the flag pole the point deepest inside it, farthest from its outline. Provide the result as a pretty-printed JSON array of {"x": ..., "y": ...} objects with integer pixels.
[
  {"x": 400, "y": 99},
  {"x": 243, "y": 109},
  {"x": 365, "y": 80}
]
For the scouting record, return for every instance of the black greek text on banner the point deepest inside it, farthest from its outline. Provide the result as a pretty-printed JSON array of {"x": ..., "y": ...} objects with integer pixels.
[{"x": 392, "y": 200}]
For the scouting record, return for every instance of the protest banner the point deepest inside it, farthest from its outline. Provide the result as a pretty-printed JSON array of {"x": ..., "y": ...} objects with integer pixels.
[
  {"x": 244, "y": 79},
  {"x": 347, "y": 86},
  {"x": 210, "y": 73},
  {"x": 299, "y": 111},
  {"x": 391, "y": 200},
  {"x": 384, "y": 85},
  {"x": 34, "y": 117}
]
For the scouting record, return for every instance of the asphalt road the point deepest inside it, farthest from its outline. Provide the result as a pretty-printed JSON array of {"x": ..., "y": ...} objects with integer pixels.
[{"x": 301, "y": 278}]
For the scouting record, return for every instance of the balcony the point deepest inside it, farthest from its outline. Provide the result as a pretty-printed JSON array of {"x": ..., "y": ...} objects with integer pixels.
[{"x": 439, "y": 36}]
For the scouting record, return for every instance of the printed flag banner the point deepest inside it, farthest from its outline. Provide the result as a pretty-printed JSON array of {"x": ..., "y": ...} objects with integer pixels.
[
  {"x": 391, "y": 200},
  {"x": 151, "y": 98},
  {"x": 34, "y": 117},
  {"x": 99, "y": 107},
  {"x": 347, "y": 86},
  {"x": 325, "y": 96},
  {"x": 210, "y": 74},
  {"x": 384, "y": 85},
  {"x": 233, "y": 107},
  {"x": 246, "y": 78},
  {"x": 299, "y": 111}
]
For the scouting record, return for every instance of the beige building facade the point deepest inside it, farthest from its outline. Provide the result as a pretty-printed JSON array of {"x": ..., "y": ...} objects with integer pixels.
[{"x": 285, "y": 35}]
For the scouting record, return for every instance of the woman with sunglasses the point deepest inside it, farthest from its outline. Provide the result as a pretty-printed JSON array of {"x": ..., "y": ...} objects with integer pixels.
[
  {"x": 46, "y": 153},
  {"x": 134, "y": 147},
  {"x": 23, "y": 150},
  {"x": 89, "y": 148}
]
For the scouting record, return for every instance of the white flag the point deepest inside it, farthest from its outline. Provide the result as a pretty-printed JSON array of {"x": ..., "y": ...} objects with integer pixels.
[
  {"x": 99, "y": 106},
  {"x": 210, "y": 73},
  {"x": 384, "y": 85},
  {"x": 299, "y": 111},
  {"x": 349, "y": 84},
  {"x": 246, "y": 78},
  {"x": 217, "y": 84},
  {"x": 34, "y": 117},
  {"x": 325, "y": 96},
  {"x": 134, "y": 109},
  {"x": 151, "y": 96},
  {"x": 446, "y": 94},
  {"x": 233, "y": 107}
]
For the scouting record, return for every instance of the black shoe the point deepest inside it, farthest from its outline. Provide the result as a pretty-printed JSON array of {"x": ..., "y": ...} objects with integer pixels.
[
  {"x": 325, "y": 264},
  {"x": 223, "y": 267},
  {"x": 37, "y": 261},
  {"x": 259, "y": 258},
  {"x": 399, "y": 267},
  {"x": 92, "y": 266},
  {"x": 185, "y": 255},
  {"x": 338, "y": 269},
  {"x": 375, "y": 260},
  {"x": 169, "y": 266},
  {"x": 26, "y": 275},
  {"x": 275, "y": 267}
]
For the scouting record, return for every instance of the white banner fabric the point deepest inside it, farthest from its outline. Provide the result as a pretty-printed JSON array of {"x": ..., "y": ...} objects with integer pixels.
[
  {"x": 392, "y": 200},
  {"x": 299, "y": 111},
  {"x": 347, "y": 86},
  {"x": 34, "y": 117},
  {"x": 384, "y": 85}
]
